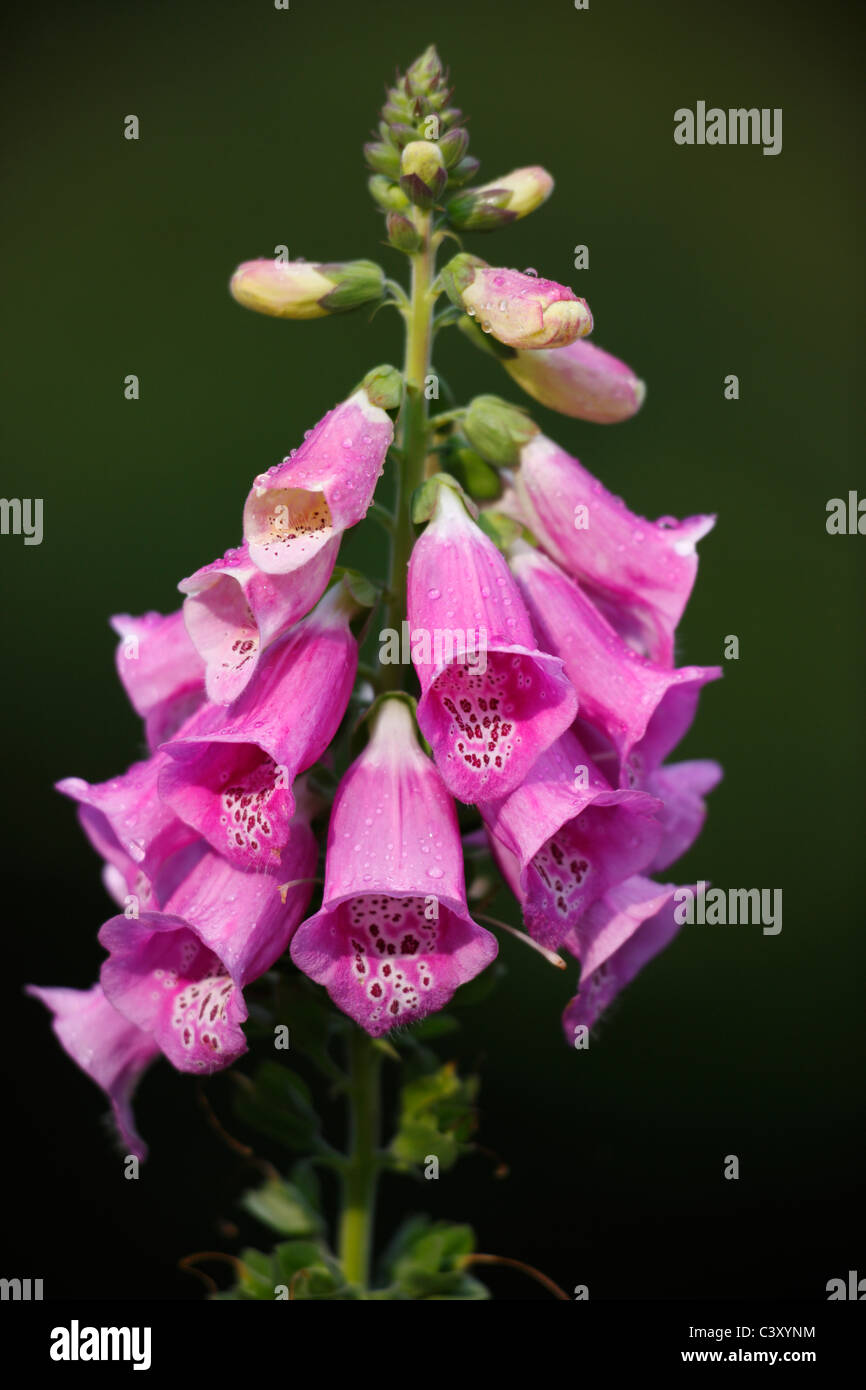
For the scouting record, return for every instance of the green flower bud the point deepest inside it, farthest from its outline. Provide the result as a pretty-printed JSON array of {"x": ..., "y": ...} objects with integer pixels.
[
  {"x": 422, "y": 172},
  {"x": 497, "y": 430},
  {"x": 382, "y": 158},
  {"x": 464, "y": 171},
  {"x": 384, "y": 387},
  {"x": 454, "y": 146},
  {"x": 387, "y": 194},
  {"x": 403, "y": 234}
]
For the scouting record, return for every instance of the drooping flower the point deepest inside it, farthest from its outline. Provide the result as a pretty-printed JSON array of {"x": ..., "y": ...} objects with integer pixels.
[
  {"x": 613, "y": 942},
  {"x": 178, "y": 975},
  {"x": 504, "y": 200},
  {"x": 306, "y": 289},
  {"x": 106, "y": 1046},
  {"x": 564, "y": 837},
  {"x": 580, "y": 380},
  {"x": 160, "y": 669},
  {"x": 491, "y": 708},
  {"x": 641, "y": 708},
  {"x": 133, "y": 829},
  {"x": 679, "y": 787},
  {"x": 522, "y": 311},
  {"x": 320, "y": 490},
  {"x": 229, "y": 772},
  {"x": 233, "y": 611},
  {"x": 641, "y": 572},
  {"x": 393, "y": 939}
]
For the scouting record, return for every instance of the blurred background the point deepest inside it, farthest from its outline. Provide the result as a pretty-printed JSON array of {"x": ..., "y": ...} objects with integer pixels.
[{"x": 703, "y": 262}]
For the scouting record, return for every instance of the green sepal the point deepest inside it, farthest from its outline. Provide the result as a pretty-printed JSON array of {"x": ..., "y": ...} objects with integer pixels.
[
  {"x": 424, "y": 498},
  {"x": 278, "y": 1103},
  {"x": 437, "y": 1116},
  {"x": 283, "y": 1208}
]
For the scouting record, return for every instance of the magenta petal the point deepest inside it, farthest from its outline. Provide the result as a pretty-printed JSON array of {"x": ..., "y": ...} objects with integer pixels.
[
  {"x": 641, "y": 708},
  {"x": 325, "y": 486},
  {"x": 562, "y": 844},
  {"x": 393, "y": 939},
  {"x": 128, "y": 823},
  {"x": 642, "y": 572},
  {"x": 161, "y": 671},
  {"x": 229, "y": 772},
  {"x": 614, "y": 941},
  {"x": 489, "y": 711},
  {"x": 681, "y": 787},
  {"x": 105, "y": 1045},
  {"x": 233, "y": 612}
]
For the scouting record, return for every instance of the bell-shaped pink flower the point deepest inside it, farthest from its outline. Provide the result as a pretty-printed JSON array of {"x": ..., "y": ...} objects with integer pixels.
[
  {"x": 679, "y": 787},
  {"x": 229, "y": 772},
  {"x": 564, "y": 837},
  {"x": 641, "y": 572},
  {"x": 614, "y": 941},
  {"x": 523, "y": 311},
  {"x": 233, "y": 612},
  {"x": 490, "y": 709},
  {"x": 642, "y": 709},
  {"x": 302, "y": 504},
  {"x": 133, "y": 829},
  {"x": 112, "y": 1051},
  {"x": 160, "y": 669},
  {"x": 178, "y": 975},
  {"x": 393, "y": 939},
  {"x": 580, "y": 380}
]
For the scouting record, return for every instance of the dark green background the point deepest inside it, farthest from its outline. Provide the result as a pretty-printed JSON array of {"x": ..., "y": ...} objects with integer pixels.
[{"x": 703, "y": 262}]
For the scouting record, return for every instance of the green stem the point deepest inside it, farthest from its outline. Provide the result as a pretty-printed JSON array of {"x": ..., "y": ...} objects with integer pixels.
[
  {"x": 413, "y": 430},
  {"x": 361, "y": 1169}
]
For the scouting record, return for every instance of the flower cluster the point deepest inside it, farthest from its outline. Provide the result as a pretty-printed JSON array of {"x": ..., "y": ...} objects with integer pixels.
[{"x": 557, "y": 740}]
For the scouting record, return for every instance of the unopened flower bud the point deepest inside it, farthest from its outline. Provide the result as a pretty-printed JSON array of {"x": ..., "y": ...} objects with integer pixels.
[
  {"x": 521, "y": 310},
  {"x": 402, "y": 233},
  {"x": 497, "y": 430},
  {"x": 306, "y": 290},
  {"x": 579, "y": 380},
  {"x": 422, "y": 172},
  {"x": 387, "y": 194},
  {"x": 465, "y": 170},
  {"x": 384, "y": 387},
  {"x": 454, "y": 145},
  {"x": 382, "y": 158},
  {"x": 496, "y": 204}
]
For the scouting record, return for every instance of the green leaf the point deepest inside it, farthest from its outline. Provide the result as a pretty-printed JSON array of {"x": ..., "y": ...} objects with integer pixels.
[
  {"x": 424, "y": 1261},
  {"x": 277, "y": 1102},
  {"x": 283, "y": 1207},
  {"x": 310, "y": 1271},
  {"x": 437, "y": 1116}
]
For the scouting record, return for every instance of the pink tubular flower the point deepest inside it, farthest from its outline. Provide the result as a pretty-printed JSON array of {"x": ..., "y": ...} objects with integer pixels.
[
  {"x": 393, "y": 939},
  {"x": 642, "y": 709},
  {"x": 614, "y": 941},
  {"x": 487, "y": 713},
  {"x": 564, "y": 837},
  {"x": 112, "y": 1051},
  {"x": 522, "y": 311},
  {"x": 160, "y": 669},
  {"x": 580, "y": 380},
  {"x": 641, "y": 572},
  {"x": 229, "y": 773},
  {"x": 178, "y": 975},
  {"x": 233, "y": 612},
  {"x": 299, "y": 506},
  {"x": 132, "y": 828}
]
